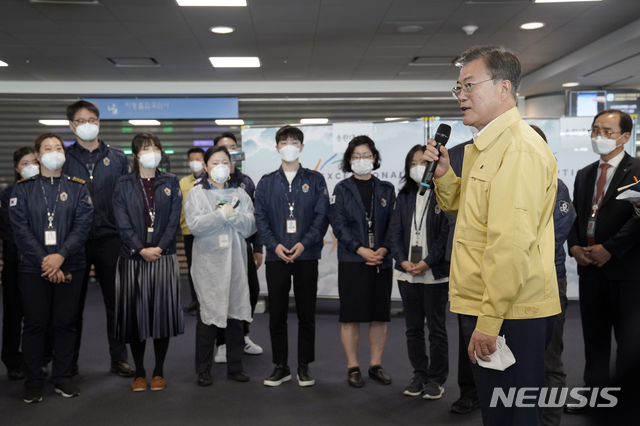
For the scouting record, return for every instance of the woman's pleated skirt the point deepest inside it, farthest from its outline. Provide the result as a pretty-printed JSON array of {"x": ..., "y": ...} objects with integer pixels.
[{"x": 148, "y": 299}]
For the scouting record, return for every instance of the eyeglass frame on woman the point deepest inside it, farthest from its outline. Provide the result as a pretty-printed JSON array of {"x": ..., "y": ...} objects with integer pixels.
[
  {"x": 355, "y": 157},
  {"x": 600, "y": 132},
  {"x": 466, "y": 88}
]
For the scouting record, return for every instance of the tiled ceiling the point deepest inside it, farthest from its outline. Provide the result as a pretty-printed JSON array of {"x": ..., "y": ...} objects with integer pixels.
[{"x": 301, "y": 41}]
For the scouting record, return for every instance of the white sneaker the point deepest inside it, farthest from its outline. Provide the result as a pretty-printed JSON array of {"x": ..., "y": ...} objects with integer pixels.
[
  {"x": 250, "y": 347},
  {"x": 221, "y": 355}
]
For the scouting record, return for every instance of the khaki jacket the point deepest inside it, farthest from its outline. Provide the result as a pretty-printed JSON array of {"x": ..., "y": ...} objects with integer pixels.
[
  {"x": 186, "y": 183},
  {"x": 502, "y": 263}
]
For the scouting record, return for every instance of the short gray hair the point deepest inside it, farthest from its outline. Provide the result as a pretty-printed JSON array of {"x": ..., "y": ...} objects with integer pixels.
[{"x": 503, "y": 64}]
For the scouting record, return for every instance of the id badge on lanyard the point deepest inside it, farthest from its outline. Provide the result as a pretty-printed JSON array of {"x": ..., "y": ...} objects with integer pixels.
[
  {"x": 292, "y": 225},
  {"x": 50, "y": 237}
]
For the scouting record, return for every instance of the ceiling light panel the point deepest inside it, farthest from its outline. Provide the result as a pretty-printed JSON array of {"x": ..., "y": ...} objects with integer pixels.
[
  {"x": 3, "y": 64},
  {"x": 232, "y": 3},
  {"x": 237, "y": 122},
  {"x": 235, "y": 62},
  {"x": 222, "y": 30},
  {"x": 54, "y": 122},
  {"x": 563, "y": 1},
  {"x": 314, "y": 121},
  {"x": 144, "y": 122},
  {"x": 532, "y": 25}
]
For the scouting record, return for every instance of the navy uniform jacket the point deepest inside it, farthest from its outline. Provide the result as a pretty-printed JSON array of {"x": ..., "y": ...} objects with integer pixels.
[
  {"x": 348, "y": 219},
  {"x": 311, "y": 197},
  {"x": 563, "y": 217},
  {"x": 9, "y": 249},
  {"x": 72, "y": 221},
  {"x": 130, "y": 210},
  {"x": 110, "y": 164},
  {"x": 240, "y": 180},
  {"x": 437, "y": 227}
]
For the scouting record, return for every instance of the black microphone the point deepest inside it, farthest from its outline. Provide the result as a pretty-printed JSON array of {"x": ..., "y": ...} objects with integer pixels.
[{"x": 442, "y": 136}]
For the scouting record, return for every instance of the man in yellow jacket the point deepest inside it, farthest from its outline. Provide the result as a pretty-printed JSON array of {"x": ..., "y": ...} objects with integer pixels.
[{"x": 502, "y": 279}]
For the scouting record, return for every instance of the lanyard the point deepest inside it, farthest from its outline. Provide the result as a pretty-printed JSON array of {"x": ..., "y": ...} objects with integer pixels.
[
  {"x": 152, "y": 213},
  {"x": 50, "y": 215},
  {"x": 295, "y": 197},
  {"x": 415, "y": 224},
  {"x": 596, "y": 203},
  {"x": 91, "y": 164},
  {"x": 370, "y": 216}
]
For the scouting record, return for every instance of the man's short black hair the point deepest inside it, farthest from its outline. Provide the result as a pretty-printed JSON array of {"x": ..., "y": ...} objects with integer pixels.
[
  {"x": 195, "y": 150},
  {"x": 626, "y": 123},
  {"x": 287, "y": 132},
  {"x": 225, "y": 135},
  {"x": 502, "y": 64},
  {"x": 74, "y": 108}
]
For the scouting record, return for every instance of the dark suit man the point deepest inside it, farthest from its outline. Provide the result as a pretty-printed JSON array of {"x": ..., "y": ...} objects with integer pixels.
[{"x": 605, "y": 241}]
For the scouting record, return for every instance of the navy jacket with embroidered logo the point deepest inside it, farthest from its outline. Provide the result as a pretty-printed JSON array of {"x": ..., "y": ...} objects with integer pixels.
[
  {"x": 437, "y": 227},
  {"x": 110, "y": 164},
  {"x": 311, "y": 211},
  {"x": 72, "y": 221},
  {"x": 240, "y": 180},
  {"x": 130, "y": 210},
  {"x": 349, "y": 223},
  {"x": 564, "y": 214},
  {"x": 9, "y": 249}
]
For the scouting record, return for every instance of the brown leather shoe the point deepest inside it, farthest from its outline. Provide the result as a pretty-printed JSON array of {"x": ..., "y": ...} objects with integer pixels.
[
  {"x": 158, "y": 383},
  {"x": 139, "y": 384}
]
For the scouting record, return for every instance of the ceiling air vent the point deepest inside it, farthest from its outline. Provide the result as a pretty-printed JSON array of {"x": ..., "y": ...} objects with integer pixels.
[
  {"x": 432, "y": 61},
  {"x": 79, "y": 2},
  {"x": 134, "y": 62}
]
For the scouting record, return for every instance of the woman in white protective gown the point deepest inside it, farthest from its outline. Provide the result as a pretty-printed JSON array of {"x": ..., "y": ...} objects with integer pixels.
[{"x": 220, "y": 218}]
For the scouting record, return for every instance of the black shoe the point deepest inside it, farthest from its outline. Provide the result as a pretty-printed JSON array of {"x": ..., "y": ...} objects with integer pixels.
[
  {"x": 67, "y": 389},
  {"x": 204, "y": 378},
  {"x": 123, "y": 369},
  {"x": 574, "y": 409},
  {"x": 464, "y": 405},
  {"x": 32, "y": 395},
  {"x": 354, "y": 378},
  {"x": 280, "y": 374},
  {"x": 379, "y": 375},
  {"x": 15, "y": 373},
  {"x": 304, "y": 376},
  {"x": 238, "y": 376},
  {"x": 75, "y": 369},
  {"x": 191, "y": 308},
  {"x": 416, "y": 387},
  {"x": 433, "y": 390}
]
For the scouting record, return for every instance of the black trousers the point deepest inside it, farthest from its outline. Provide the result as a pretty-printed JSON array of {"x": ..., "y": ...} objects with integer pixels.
[
  {"x": 465, "y": 376},
  {"x": 305, "y": 287},
  {"x": 554, "y": 368},
  {"x": 43, "y": 302},
  {"x": 102, "y": 253},
  {"x": 528, "y": 340},
  {"x": 429, "y": 301},
  {"x": 188, "y": 251},
  {"x": 11, "y": 316},
  {"x": 606, "y": 305},
  {"x": 206, "y": 340}
]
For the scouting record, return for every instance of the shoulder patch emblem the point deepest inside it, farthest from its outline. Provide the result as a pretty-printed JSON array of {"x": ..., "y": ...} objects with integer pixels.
[
  {"x": 383, "y": 202},
  {"x": 63, "y": 196},
  {"x": 438, "y": 209},
  {"x": 242, "y": 185},
  {"x": 89, "y": 199},
  {"x": 332, "y": 200},
  {"x": 168, "y": 192},
  {"x": 564, "y": 207},
  {"x": 13, "y": 202},
  {"x": 106, "y": 161},
  {"x": 325, "y": 192},
  {"x": 76, "y": 179},
  {"x": 305, "y": 188}
]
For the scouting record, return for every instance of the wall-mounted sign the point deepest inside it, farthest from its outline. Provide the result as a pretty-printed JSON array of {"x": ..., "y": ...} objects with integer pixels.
[{"x": 166, "y": 108}]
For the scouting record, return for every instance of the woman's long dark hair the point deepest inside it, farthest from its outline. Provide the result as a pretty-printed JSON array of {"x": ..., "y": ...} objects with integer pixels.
[
  {"x": 409, "y": 184},
  {"x": 17, "y": 157}
]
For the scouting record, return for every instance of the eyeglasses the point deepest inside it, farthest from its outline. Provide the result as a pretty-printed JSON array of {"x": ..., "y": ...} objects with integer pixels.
[
  {"x": 605, "y": 133},
  {"x": 465, "y": 88},
  {"x": 81, "y": 121},
  {"x": 361, "y": 157}
]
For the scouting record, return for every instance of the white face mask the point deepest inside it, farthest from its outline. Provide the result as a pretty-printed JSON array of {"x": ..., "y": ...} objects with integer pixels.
[
  {"x": 416, "y": 173},
  {"x": 289, "y": 153},
  {"x": 195, "y": 166},
  {"x": 30, "y": 171},
  {"x": 150, "y": 160},
  {"x": 602, "y": 146},
  {"x": 53, "y": 160},
  {"x": 87, "y": 131},
  {"x": 220, "y": 173},
  {"x": 362, "y": 167}
]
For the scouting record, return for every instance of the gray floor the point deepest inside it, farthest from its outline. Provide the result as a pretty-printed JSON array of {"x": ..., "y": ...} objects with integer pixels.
[{"x": 107, "y": 399}]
